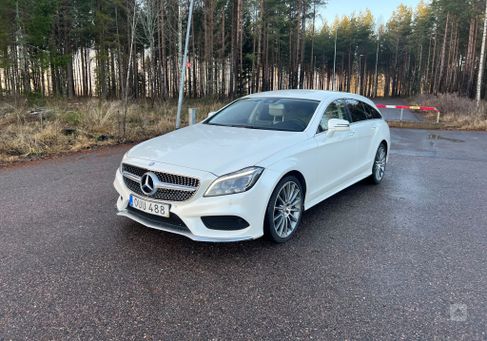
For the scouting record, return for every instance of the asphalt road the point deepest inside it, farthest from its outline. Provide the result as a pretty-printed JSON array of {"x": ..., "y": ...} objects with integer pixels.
[{"x": 373, "y": 262}]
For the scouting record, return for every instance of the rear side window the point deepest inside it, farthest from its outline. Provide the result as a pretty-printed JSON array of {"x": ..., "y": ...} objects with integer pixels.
[
  {"x": 357, "y": 110},
  {"x": 372, "y": 113},
  {"x": 334, "y": 110}
]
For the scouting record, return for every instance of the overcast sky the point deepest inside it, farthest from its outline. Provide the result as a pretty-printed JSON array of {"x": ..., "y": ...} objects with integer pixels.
[{"x": 380, "y": 8}]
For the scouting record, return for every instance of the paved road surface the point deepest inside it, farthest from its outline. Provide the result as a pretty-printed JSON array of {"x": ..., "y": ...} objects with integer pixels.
[
  {"x": 395, "y": 114},
  {"x": 373, "y": 262}
]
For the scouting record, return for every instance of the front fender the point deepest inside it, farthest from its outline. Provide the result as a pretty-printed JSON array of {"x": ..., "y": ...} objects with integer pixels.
[{"x": 298, "y": 158}]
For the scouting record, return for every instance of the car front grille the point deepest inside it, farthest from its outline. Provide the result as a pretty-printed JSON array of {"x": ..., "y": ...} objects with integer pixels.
[{"x": 162, "y": 193}]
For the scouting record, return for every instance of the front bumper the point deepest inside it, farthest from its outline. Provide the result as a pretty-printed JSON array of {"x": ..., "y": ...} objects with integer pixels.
[{"x": 250, "y": 205}]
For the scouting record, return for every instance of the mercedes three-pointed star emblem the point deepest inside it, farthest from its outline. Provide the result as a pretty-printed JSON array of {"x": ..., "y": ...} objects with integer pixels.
[{"x": 148, "y": 183}]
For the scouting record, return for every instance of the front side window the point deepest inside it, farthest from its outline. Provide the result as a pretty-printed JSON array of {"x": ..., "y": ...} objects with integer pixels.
[
  {"x": 357, "y": 110},
  {"x": 335, "y": 110},
  {"x": 283, "y": 114}
]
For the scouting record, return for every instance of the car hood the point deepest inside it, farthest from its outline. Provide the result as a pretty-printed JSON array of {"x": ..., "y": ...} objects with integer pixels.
[{"x": 215, "y": 149}]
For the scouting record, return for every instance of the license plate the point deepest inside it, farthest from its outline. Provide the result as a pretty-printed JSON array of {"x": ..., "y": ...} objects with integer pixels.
[{"x": 150, "y": 207}]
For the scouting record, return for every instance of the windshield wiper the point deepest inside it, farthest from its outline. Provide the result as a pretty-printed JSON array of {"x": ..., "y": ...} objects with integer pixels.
[
  {"x": 216, "y": 124},
  {"x": 253, "y": 127},
  {"x": 234, "y": 125},
  {"x": 250, "y": 127}
]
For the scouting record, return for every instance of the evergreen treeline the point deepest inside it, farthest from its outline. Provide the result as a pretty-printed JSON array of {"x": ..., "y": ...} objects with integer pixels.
[{"x": 109, "y": 48}]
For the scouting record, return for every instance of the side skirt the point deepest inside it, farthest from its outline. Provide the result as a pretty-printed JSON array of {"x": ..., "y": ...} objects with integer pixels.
[{"x": 334, "y": 191}]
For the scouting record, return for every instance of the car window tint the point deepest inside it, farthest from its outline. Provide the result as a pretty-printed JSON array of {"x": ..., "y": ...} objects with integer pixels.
[
  {"x": 372, "y": 113},
  {"x": 334, "y": 110},
  {"x": 357, "y": 110}
]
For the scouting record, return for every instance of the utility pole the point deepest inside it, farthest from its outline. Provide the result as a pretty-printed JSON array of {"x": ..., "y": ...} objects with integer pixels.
[
  {"x": 360, "y": 74},
  {"x": 334, "y": 60},
  {"x": 376, "y": 75},
  {"x": 183, "y": 66}
]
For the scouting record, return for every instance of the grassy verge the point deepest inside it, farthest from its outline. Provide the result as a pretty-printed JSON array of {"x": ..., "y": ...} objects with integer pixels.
[
  {"x": 456, "y": 112},
  {"x": 31, "y": 130}
]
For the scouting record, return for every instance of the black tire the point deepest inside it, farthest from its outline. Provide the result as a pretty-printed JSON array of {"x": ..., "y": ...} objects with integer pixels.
[
  {"x": 379, "y": 166},
  {"x": 271, "y": 225}
]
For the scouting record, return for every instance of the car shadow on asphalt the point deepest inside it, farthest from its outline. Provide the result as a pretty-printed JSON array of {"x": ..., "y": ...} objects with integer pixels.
[{"x": 316, "y": 226}]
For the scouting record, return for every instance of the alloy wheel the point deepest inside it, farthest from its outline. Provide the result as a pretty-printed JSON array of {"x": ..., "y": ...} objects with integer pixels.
[
  {"x": 288, "y": 208},
  {"x": 380, "y": 163}
]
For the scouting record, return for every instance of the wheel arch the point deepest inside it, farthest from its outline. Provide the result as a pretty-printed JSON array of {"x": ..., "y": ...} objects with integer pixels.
[
  {"x": 297, "y": 174},
  {"x": 268, "y": 229}
]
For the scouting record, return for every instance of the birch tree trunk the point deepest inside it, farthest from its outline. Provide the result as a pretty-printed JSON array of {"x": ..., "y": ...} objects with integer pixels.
[
  {"x": 482, "y": 58},
  {"x": 442, "y": 56}
]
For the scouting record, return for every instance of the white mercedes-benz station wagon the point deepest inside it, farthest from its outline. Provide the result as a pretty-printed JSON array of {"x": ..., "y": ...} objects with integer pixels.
[{"x": 253, "y": 167}]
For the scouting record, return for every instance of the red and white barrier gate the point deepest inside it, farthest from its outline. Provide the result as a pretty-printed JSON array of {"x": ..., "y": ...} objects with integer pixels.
[{"x": 410, "y": 107}]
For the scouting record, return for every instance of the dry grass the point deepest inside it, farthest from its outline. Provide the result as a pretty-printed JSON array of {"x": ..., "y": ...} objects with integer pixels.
[
  {"x": 67, "y": 126},
  {"x": 456, "y": 112}
]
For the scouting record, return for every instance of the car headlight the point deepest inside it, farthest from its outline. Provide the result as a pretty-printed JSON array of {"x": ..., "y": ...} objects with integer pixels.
[{"x": 233, "y": 183}]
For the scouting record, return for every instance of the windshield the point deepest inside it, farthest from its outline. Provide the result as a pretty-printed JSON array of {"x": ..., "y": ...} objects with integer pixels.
[{"x": 284, "y": 114}]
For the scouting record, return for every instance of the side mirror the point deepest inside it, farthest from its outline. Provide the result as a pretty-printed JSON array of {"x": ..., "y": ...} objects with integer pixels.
[
  {"x": 211, "y": 113},
  {"x": 336, "y": 124}
]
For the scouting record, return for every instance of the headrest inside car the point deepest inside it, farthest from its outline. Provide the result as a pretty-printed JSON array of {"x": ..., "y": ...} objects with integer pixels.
[{"x": 276, "y": 110}]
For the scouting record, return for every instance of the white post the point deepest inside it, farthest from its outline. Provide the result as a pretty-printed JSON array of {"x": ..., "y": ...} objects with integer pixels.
[
  {"x": 437, "y": 116},
  {"x": 402, "y": 114},
  {"x": 192, "y": 116},
  {"x": 183, "y": 66}
]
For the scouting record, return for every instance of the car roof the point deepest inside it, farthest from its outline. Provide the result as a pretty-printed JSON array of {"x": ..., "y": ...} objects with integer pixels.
[{"x": 317, "y": 95}]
